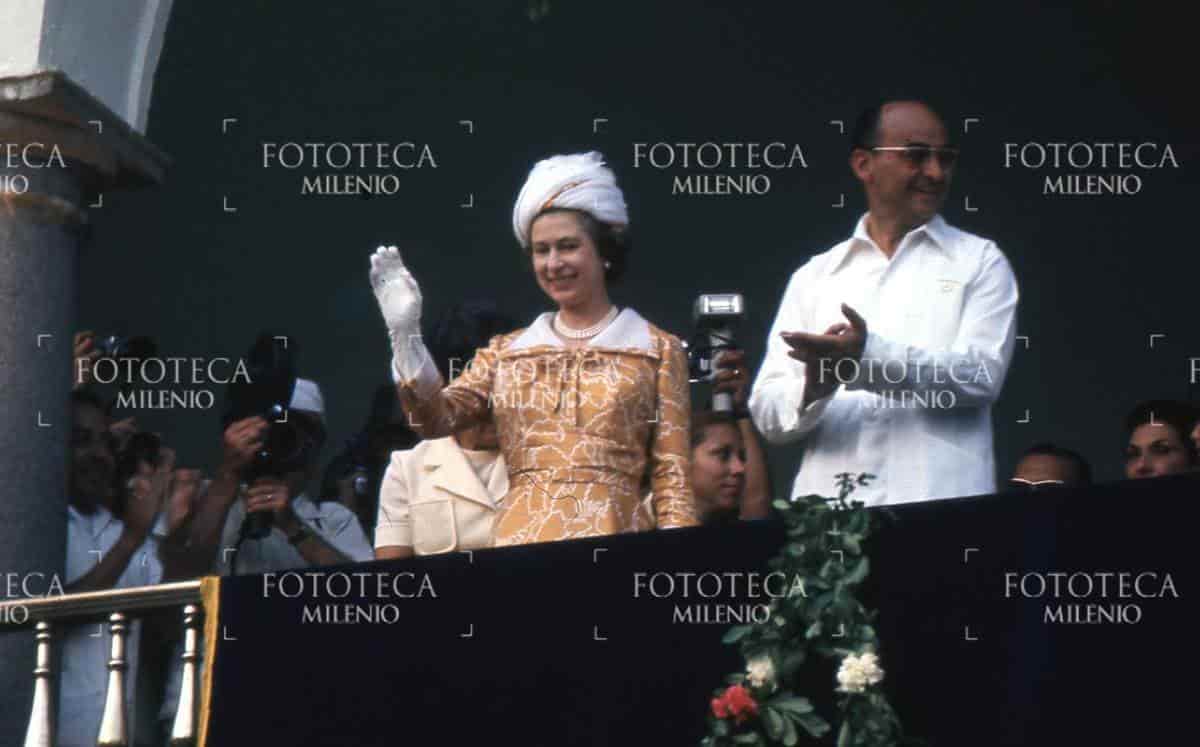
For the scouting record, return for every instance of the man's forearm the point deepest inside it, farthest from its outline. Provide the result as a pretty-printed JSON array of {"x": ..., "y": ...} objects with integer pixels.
[
  {"x": 104, "y": 574},
  {"x": 756, "y": 494},
  {"x": 317, "y": 551},
  {"x": 968, "y": 379},
  {"x": 193, "y": 547}
]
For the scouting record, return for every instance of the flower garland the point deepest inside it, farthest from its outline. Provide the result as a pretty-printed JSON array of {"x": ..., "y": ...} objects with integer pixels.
[{"x": 821, "y": 616}]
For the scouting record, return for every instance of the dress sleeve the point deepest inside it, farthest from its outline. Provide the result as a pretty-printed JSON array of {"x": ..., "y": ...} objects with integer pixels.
[
  {"x": 670, "y": 457},
  {"x": 436, "y": 411}
]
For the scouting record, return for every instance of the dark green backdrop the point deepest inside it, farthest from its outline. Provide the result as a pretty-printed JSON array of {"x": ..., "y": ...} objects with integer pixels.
[{"x": 1098, "y": 274}]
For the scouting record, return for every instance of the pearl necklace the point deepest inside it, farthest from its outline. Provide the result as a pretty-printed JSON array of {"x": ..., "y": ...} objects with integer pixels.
[{"x": 587, "y": 332}]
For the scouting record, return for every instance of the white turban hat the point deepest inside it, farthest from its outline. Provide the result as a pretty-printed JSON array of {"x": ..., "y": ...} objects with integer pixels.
[
  {"x": 306, "y": 397},
  {"x": 579, "y": 181}
]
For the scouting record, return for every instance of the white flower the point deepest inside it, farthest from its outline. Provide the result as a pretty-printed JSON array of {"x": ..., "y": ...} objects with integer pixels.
[
  {"x": 760, "y": 672},
  {"x": 857, "y": 672}
]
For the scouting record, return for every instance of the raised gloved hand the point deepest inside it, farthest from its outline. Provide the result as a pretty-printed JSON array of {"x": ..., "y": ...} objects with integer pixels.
[
  {"x": 396, "y": 291},
  {"x": 399, "y": 300}
]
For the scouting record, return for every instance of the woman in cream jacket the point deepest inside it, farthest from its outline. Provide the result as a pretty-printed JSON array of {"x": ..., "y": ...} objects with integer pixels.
[{"x": 442, "y": 495}]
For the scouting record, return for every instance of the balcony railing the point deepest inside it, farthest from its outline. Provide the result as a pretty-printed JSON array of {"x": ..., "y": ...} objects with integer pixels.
[{"x": 48, "y": 615}]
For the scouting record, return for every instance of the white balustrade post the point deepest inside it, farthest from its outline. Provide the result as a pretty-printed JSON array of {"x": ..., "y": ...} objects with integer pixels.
[
  {"x": 41, "y": 720},
  {"x": 183, "y": 731},
  {"x": 114, "y": 731}
]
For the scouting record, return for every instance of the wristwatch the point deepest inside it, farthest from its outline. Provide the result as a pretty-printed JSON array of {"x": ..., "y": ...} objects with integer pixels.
[{"x": 301, "y": 533}]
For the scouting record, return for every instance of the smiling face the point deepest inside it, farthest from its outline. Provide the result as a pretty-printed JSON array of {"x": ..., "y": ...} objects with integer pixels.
[
  {"x": 1156, "y": 449},
  {"x": 567, "y": 264},
  {"x": 909, "y": 189},
  {"x": 718, "y": 469}
]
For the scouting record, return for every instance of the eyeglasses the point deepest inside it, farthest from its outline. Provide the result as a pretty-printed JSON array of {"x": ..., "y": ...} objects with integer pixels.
[
  {"x": 1023, "y": 484},
  {"x": 946, "y": 156}
]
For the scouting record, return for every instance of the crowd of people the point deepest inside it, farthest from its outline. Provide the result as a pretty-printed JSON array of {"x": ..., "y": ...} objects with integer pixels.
[{"x": 886, "y": 356}]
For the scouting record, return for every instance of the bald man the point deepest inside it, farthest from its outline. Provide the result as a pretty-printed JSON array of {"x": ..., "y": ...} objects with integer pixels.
[{"x": 890, "y": 348}]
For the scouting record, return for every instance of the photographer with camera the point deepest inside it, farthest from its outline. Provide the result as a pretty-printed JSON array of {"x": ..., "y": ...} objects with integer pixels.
[
  {"x": 729, "y": 467},
  {"x": 254, "y": 520}
]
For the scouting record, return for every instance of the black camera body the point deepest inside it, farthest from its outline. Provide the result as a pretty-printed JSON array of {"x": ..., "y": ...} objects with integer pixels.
[
  {"x": 716, "y": 316},
  {"x": 118, "y": 347},
  {"x": 286, "y": 447}
]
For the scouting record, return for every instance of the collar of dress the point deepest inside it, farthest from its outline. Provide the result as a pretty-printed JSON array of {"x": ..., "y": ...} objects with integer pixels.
[{"x": 628, "y": 330}]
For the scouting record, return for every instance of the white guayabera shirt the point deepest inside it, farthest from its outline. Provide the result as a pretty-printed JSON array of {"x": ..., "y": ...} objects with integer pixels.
[
  {"x": 84, "y": 653},
  {"x": 916, "y": 411},
  {"x": 332, "y": 521}
]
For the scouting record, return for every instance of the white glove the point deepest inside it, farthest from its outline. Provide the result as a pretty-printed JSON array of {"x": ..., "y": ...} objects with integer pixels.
[
  {"x": 399, "y": 300},
  {"x": 396, "y": 291}
]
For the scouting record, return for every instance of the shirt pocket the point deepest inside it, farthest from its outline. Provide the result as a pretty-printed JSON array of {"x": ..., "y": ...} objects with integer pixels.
[
  {"x": 941, "y": 311},
  {"x": 433, "y": 526}
]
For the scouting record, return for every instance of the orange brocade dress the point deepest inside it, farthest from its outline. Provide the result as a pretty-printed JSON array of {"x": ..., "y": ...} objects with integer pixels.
[{"x": 586, "y": 432}]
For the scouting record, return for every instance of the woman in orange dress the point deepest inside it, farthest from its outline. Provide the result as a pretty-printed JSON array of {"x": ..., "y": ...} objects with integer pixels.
[{"x": 590, "y": 402}]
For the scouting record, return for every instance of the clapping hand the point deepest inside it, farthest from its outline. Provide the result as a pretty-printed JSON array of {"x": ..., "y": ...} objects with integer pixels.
[
  {"x": 85, "y": 356},
  {"x": 839, "y": 342},
  {"x": 146, "y": 492}
]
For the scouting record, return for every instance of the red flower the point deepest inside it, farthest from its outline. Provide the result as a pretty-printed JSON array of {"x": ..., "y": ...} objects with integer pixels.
[
  {"x": 718, "y": 707},
  {"x": 736, "y": 702}
]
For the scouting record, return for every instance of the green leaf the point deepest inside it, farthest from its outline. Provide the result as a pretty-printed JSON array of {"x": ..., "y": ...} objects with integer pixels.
[
  {"x": 736, "y": 633},
  {"x": 721, "y": 728},
  {"x": 822, "y": 601},
  {"x": 781, "y": 505},
  {"x": 852, "y": 543},
  {"x": 790, "y": 737},
  {"x": 792, "y": 660},
  {"x": 816, "y": 582},
  {"x": 814, "y": 725},
  {"x": 858, "y": 572},
  {"x": 774, "y": 723},
  {"x": 751, "y": 737},
  {"x": 844, "y": 735},
  {"x": 813, "y": 631},
  {"x": 793, "y": 704}
]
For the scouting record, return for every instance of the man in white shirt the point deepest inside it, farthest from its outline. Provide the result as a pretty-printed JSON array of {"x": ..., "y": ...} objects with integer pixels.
[
  {"x": 103, "y": 552},
  {"x": 303, "y": 534},
  {"x": 890, "y": 348}
]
